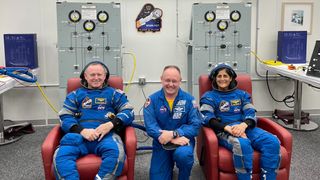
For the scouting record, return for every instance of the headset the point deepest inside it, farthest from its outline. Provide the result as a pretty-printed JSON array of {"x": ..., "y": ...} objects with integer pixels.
[
  {"x": 83, "y": 79},
  {"x": 214, "y": 72}
]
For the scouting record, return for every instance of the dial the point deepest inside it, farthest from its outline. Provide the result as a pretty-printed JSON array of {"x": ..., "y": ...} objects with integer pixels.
[
  {"x": 89, "y": 25},
  {"x": 210, "y": 16},
  {"x": 74, "y": 16},
  {"x": 222, "y": 25},
  {"x": 235, "y": 16},
  {"x": 102, "y": 16}
]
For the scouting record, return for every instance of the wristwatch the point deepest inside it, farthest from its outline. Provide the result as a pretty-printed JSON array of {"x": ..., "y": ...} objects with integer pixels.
[{"x": 175, "y": 134}]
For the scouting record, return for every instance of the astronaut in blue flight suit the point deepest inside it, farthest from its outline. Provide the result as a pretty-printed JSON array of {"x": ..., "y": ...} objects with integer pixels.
[
  {"x": 89, "y": 117},
  {"x": 173, "y": 120},
  {"x": 230, "y": 113}
]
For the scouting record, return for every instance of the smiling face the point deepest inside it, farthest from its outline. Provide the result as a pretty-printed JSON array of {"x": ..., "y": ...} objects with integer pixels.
[
  {"x": 95, "y": 75},
  {"x": 223, "y": 80},
  {"x": 171, "y": 80}
]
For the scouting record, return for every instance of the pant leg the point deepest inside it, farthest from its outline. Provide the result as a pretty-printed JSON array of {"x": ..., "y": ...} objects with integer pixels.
[
  {"x": 113, "y": 156},
  {"x": 269, "y": 146},
  {"x": 184, "y": 158},
  {"x": 161, "y": 167},
  {"x": 242, "y": 154},
  {"x": 71, "y": 147}
]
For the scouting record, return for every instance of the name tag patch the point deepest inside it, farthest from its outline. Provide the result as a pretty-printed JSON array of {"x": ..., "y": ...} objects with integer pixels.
[{"x": 100, "y": 101}]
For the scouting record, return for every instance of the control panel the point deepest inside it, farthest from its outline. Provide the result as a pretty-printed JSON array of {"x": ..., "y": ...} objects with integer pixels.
[
  {"x": 220, "y": 32},
  {"x": 88, "y": 32}
]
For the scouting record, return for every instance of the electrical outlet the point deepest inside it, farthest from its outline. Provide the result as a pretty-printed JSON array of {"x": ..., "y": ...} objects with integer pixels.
[{"x": 142, "y": 81}]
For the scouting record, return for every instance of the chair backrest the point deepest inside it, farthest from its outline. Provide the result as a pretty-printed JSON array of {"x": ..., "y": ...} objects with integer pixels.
[
  {"x": 244, "y": 83},
  {"x": 114, "y": 81}
]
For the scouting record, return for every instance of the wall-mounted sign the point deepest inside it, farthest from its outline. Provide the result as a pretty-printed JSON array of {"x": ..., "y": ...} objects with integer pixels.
[{"x": 149, "y": 19}]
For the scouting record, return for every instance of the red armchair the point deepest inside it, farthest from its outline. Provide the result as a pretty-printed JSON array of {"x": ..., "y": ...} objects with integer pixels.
[
  {"x": 217, "y": 162},
  {"x": 88, "y": 165}
]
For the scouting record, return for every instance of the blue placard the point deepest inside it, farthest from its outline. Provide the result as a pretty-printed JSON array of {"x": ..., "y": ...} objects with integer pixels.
[
  {"x": 21, "y": 50},
  {"x": 292, "y": 47}
]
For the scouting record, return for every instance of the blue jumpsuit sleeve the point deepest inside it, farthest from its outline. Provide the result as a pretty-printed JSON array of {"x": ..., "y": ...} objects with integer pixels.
[
  {"x": 152, "y": 126},
  {"x": 207, "y": 108},
  {"x": 191, "y": 129},
  {"x": 68, "y": 111},
  {"x": 248, "y": 109},
  {"x": 124, "y": 110}
]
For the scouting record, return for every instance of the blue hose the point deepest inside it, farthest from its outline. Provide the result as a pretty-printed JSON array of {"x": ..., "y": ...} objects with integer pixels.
[{"x": 15, "y": 72}]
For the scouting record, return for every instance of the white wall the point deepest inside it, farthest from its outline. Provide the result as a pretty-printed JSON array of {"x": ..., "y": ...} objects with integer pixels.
[{"x": 153, "y": 51}]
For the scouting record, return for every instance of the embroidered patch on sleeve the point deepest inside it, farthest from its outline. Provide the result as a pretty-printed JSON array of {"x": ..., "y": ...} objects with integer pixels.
[
  {"x": 147, "y": 103},
  {"x": 119, "y": 91},
  {"x": 195, "y": 104}
]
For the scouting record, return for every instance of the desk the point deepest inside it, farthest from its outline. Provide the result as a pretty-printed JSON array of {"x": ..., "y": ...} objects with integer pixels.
[
  {"x": 6, "y": 83},
  {"x": 299, "y": 77}
]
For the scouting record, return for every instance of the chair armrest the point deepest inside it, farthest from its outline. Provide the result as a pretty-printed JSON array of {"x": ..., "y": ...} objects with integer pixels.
[
  {"x": 211, "y": 142},
  {"x": 130, "y": 140},
  {"x": 48, "y": 148},
  {"x": 283, "y": 135},
  {"x": 211, "y": 145}
]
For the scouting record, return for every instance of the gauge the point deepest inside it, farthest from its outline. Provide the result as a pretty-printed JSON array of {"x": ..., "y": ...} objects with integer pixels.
[
  {"x": 74, "y": 16},
  {"x": 235, "y": 16},
  {"x": 210, "y": 16},
  {"x": 102, "y": 16},
  {"x": 89, "y": 25},
  {"x": 222, "y": 25}
]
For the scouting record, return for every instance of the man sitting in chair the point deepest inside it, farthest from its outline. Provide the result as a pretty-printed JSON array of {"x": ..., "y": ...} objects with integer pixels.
[
  {"x": 89, "y": 117},
  {"x": 229, "y": 112}
]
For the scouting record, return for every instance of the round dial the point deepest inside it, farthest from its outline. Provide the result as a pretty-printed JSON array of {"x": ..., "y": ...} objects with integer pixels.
[
  {"x": 102, "y": 16},
  {"x": 89, "y": 25},
  {"x": 222, "y": 25},
  {"x": 235, "y": 16},
  {"x": 210, "y": 16},
  {"x": 74, "y": 16}
]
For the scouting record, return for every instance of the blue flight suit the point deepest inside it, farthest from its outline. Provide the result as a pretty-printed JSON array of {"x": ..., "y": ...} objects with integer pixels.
[
  {"x": 185, "y": 118},
  {"x": 234, "y": 107},
  {"x": 90, "y": 108}
]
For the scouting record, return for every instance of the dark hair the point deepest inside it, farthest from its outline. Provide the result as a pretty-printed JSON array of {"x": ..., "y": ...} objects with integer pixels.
[{"x": 83, "y": 79}]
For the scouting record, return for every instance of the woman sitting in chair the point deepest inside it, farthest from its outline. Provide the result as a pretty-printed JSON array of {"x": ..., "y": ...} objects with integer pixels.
[{"x": 230, "y": 113}]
